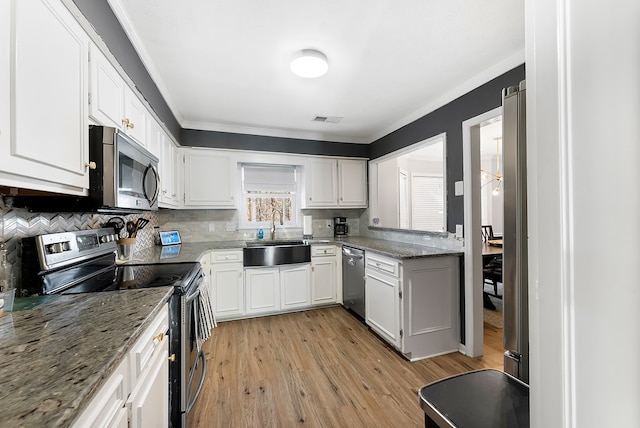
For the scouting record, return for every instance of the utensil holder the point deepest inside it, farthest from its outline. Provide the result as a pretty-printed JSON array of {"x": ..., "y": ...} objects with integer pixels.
[{"x": 125, "y": 249}]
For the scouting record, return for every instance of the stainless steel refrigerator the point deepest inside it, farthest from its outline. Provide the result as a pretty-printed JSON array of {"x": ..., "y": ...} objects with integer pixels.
[{"x": 515, "y": 331}]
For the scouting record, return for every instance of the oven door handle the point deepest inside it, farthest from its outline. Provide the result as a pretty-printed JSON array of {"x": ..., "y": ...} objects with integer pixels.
[
  {"x": 193, "y": 400},
  {"x": 191, "y": 297}
]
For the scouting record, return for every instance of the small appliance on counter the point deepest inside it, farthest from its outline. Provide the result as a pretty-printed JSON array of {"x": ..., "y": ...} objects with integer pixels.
[{"x": 340, "y": 227}]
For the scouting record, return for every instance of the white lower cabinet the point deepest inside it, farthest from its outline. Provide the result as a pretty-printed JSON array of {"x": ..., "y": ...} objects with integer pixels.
[
  {"x": 382, "y": 310},
  {"x": 107, "y": 407},
  {"x": 295, "y": 286},
  {"x": 136, "y": 394},
  {"x": 413, "y": 303},
  {"x": 324, "y": 274},
  {"x": 148, "y": 403},
  {"x": 276, "y": 288},
  {"x": 227, "y": 284},
  {"x": 263, "y": 289}
]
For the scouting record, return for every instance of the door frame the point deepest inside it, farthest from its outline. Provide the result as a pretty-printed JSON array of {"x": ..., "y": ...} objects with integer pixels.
[{"x": 473, "y": 308}]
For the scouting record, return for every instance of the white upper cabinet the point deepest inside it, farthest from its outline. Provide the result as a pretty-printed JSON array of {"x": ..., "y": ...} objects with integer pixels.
[
  {"x": 5, "y": 81},
  {"x": 135, "y": 118},
  {"x": 209, "y": 179},
  {"x": 106, "y": 98},
  {"x": 333, "y": 183},
  {"x": 48, "y": 91},
  {"x": 352, "y": 183},
  {"x": 321, "y": 179},
  {"x": 168, "y": 173},
  {"x": 112, "y": 102}
]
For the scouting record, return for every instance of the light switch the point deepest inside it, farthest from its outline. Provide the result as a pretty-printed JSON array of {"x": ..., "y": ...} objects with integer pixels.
[
  {"x": 459, "y": 188},
  {"x": 459, "y": 233}
]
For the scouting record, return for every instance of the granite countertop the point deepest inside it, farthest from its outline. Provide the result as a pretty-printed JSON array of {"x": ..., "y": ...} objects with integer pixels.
[
  {"x": 55, "y": 356},
  {"x": 398, "y": 250},
  {"x": 192, "y": 251}
]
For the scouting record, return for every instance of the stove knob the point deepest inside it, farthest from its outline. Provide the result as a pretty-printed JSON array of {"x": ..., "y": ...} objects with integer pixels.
[{"x": 104, "y": 239}]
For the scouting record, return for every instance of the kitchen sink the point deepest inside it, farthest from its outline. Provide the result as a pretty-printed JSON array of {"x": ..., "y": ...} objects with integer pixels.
[
  {"x": 275, "y": 253},
  {"x": 273, "y": 243}
]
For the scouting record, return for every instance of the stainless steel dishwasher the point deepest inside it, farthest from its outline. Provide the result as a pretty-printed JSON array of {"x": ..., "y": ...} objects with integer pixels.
[{"x": 353, "y": 280}]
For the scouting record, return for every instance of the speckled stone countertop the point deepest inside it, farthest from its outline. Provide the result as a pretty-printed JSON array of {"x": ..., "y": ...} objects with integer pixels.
[
  {"x": 397, "y": 250},
  {"x": 55, "y": 356},
  {"x": 190, "y": 252}
]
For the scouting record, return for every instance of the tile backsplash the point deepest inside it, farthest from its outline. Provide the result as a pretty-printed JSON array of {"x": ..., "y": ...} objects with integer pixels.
[{"x": 221, "y": 225}]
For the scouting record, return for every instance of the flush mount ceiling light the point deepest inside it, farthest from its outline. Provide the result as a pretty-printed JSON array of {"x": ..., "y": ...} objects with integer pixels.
[{"x": 309, "y": 63}]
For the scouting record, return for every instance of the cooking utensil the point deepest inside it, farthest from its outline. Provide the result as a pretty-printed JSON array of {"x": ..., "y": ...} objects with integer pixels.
[
  {"x": 132, "y": 229},
  {"x": 117, "y": 223},
  {"x": 141, "y": 223}
]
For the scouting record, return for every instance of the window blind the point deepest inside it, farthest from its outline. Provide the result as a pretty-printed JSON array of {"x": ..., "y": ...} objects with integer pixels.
[
  {"x": 273, "y": 178},
  {"x": 427, "y": 210}
]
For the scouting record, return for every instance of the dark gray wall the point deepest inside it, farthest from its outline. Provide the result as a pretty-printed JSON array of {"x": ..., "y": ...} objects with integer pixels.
[
  {"x": 227, "y": 140},
  {"x": 101, "y": 17},
  {"x": 449, "y": 118}
]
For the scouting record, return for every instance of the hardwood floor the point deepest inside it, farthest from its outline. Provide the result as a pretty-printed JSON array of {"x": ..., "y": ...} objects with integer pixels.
[{"x": 319, "y": 368}]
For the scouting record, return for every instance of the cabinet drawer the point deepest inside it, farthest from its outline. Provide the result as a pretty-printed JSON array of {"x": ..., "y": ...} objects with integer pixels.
[
  {"x": 226, "y": 256},
  {"x": 383, "y": 264},
  {"x": 323, "y": 250},
  {"x": 154, "y": 336}
]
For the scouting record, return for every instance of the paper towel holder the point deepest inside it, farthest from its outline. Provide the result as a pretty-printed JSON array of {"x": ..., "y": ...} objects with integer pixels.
[{"x": 307, "y": 227}]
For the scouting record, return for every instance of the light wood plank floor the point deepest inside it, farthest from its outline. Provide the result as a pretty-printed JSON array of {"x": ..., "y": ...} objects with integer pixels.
[{"x": 319, "y": 368}]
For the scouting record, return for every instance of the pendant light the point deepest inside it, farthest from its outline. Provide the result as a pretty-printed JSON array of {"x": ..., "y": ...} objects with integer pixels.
[{"x": 497, "y": 177}]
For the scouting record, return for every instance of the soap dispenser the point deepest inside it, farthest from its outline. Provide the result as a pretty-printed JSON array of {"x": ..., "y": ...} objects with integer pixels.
[{"x": 260, "y": 233}]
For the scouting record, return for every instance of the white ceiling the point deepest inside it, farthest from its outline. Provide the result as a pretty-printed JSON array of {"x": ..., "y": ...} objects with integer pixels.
[{"x": 224, "y": 64}]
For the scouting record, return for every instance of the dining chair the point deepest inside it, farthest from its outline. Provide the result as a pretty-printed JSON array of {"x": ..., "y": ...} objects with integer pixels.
[{"x": 487, "y": 233}]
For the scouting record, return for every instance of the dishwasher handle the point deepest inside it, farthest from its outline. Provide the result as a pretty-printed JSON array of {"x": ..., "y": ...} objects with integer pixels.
[{"x": 350, "y": 252}]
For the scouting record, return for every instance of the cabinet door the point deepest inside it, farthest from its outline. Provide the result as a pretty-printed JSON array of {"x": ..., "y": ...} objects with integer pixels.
[
  {"x": 323, "y": 280},
  {"x": 106, "y": 101},
  {"x": 263, "y": 290},
  {"x": 227, "y": 290},
  {"x": 296, "y": 285},
  {"x": 148, "y": 403},
  {"x": 5, "y": 76},
  {"x": 48, "y": 147},
  {"x": 382, "y": 306},
  {"x": 321, "y": 183},
  {"x": 168, "y": 173},
  {"x": 107, "y": 407},
  {"x": 135, "y": 117},
  {"x": 352, "y": 183},
  {"x": 209, "y": 179}
]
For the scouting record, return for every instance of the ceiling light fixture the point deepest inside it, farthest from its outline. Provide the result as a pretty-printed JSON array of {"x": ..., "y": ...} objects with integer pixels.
[
  {"x": 309, "y": 63},
  {"x": 497, "y": 176}
]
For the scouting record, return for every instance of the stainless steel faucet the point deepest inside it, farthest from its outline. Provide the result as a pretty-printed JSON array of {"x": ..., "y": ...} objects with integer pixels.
[{"x": 273, "y": 223}]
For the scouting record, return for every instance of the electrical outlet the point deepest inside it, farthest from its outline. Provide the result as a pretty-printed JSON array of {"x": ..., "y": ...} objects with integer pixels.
[
  {"x": 231, "y": 227},
  {"x": 212, "y": 226},
  {"x": 459, "y": 231}
]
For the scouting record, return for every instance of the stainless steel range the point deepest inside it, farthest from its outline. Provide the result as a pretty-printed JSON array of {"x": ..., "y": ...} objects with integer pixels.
[{"x": 84, "y": 262}]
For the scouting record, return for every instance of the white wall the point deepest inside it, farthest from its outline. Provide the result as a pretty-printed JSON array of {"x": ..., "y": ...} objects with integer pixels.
[{"x": 583, "y": 86}]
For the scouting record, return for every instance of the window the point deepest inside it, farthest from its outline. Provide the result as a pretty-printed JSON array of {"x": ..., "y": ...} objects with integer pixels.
[{"x": 268, "y": 192}]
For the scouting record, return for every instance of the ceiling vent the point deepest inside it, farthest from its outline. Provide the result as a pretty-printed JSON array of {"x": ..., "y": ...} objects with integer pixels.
[{"x": 327, "y": 119}]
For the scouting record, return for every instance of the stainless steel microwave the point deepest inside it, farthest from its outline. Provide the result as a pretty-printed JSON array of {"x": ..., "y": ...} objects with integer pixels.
[
  {"x": 126, "y": 174},
  {"x": 124, "y": 178}
]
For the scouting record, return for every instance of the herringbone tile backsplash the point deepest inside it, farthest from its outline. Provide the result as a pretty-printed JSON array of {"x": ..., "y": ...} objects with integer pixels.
[{"x": 18, "y": 223}]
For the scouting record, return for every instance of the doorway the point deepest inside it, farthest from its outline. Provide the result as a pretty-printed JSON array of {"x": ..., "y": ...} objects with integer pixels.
[{"x": 471, "y": 149}]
